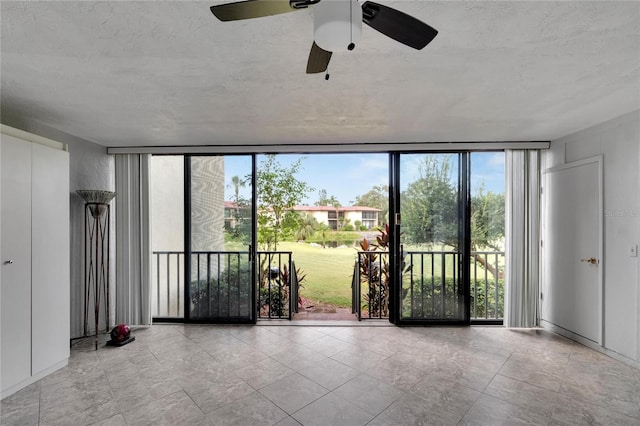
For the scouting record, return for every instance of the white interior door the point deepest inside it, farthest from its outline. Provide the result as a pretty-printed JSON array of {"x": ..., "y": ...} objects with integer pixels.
[
  {"x": 572, "y": 248},
  {"x": 15, "y": 292}
]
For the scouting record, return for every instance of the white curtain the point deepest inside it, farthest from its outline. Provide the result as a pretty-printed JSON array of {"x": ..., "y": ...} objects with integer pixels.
[
  {"x": 522, "y": 236},
  {"x": 133, "y": 240}
]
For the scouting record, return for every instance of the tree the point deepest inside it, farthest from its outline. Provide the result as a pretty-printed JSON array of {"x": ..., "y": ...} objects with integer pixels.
[
  {"x": 430, "y": 212},
  {"x": 487, "y": 225},
  {"x": 308, "y": 226},
  {"x": 487, "y": 221},
  {"x": 323, "y": 228},
  {"x": 237, "y": 183},
  {"x": 378, "y": 198},
  {"x": 278, "y": 191},
  {"x": 324, "y": 200},
  {"x": 429, "y": 204},
  {"x": 343, "y": 222},
  {"x": 239, "y": 224}
]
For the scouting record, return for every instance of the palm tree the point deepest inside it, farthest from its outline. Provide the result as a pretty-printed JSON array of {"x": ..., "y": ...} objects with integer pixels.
[
  {"x": 308, "y": 225},
  {"x": 237, "y": 183}
]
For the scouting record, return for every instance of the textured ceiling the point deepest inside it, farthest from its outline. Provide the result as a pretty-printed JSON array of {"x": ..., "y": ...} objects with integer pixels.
[{"x": 168, "y": 73}]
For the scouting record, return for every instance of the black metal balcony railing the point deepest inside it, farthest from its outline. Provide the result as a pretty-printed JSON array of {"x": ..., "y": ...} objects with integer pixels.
[
  {"x": 277, "y": 285},
  {"x": 487, "y": 285},
  {"x": 168, "y": 291},
  {"x": 429, "y": 289},
  {"x": 217, "y": 289},
  {"x": 430, "y": 285},
  {"x": 220, "y": 285},
  {"x": 370, "y": 285}
]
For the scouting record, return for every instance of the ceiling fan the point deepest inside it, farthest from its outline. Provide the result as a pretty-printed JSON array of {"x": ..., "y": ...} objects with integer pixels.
[{"x": 337, "y": 24}]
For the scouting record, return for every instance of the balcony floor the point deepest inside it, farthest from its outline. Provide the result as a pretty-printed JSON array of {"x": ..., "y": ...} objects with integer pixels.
[
  {"x": 319, "y": 312},
  {"x": 332, "y": 375}
]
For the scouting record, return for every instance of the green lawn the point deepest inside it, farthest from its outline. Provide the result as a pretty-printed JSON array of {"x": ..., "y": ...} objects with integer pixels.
[{"x": 328, "y": 272}]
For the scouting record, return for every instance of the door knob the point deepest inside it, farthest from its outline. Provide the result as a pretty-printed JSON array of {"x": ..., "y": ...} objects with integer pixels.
[
  {"x": 591, "y": 260},
  {"x": 9, "y": 262}
]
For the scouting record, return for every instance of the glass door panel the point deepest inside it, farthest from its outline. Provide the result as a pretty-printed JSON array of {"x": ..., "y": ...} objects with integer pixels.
[
  {"x": 221, "y": 284},
  {"x": 431, "y": 235},
  {"x": 487, "y": 236},
  {"x": 167, "y": 230}
]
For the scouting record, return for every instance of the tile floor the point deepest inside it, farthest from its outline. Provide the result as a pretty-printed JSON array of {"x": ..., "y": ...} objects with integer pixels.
[{"x": 333, "y": 375}]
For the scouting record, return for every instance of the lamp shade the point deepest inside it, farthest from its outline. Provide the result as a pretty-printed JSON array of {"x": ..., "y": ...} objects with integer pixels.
[
  {"x": 336, "y": 24},
  {"x": 98, "y": 198}
]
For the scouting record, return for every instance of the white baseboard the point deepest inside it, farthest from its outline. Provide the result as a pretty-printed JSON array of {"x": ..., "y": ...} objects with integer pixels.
[
  {"x": 589, "y": 343},
  {"x": 23, "y": 384}
]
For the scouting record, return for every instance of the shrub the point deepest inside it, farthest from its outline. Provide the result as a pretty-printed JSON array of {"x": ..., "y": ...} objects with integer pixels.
[
  {"x": 275, "y": 291},
  {"x": 226, "y": 296},
  {"x": 444, "y": 299}
]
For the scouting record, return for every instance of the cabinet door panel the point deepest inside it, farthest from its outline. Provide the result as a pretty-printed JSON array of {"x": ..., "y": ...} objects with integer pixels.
[
  {"x": 15, "y": 291},
  {"x": 50, "y": 253}
]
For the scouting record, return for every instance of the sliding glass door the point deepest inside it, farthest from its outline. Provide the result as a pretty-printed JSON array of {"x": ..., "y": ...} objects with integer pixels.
[
  {"x": 220, "y": 230},
  {"x": 431, "y": 235},
  {"x": 441, "y": 257}
]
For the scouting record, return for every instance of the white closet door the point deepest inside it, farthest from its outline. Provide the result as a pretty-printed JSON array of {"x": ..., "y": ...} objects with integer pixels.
[
  {"x": 572, "y": 234},
  {"x": 50, "y": 254},
  {"x": 15, "y": 292}
]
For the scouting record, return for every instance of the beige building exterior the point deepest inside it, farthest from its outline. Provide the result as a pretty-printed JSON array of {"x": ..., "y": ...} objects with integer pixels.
[
  {"x": 338, "y": 217},
  {"x": 334, "y": 217}
]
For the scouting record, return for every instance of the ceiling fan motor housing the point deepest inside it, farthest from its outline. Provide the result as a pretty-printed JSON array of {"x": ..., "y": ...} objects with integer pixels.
[{"x": 337, "y": 24}]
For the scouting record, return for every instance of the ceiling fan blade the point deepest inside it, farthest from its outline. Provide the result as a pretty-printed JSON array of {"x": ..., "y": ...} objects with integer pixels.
[
  {"x": 397, "y": 25},
  {"x": 318, "y": 59},
  {"x": 250, "y": 9}
]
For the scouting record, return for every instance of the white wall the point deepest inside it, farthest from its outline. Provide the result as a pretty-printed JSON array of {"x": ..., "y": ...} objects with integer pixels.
[{"x": 618, "y": 140}]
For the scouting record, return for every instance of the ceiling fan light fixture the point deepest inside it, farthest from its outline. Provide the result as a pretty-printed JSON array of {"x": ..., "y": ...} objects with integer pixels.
[{"x": 337, "y": 24}]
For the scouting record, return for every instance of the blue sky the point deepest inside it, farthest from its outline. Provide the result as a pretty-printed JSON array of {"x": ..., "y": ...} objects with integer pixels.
[{"x": 348, "y": 175}]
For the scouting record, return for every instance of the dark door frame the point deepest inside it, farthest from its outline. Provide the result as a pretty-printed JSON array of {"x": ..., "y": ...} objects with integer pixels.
[
  {"x": 464, "y": 236},
  {"x": 252, "y": 319}
]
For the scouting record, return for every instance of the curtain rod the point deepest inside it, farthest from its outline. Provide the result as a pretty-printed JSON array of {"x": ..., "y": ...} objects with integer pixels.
[{"x": 328, "y": 148}]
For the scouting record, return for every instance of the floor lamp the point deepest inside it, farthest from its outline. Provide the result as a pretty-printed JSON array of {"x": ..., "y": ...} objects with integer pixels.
[{"x": 97, "y": 214}]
